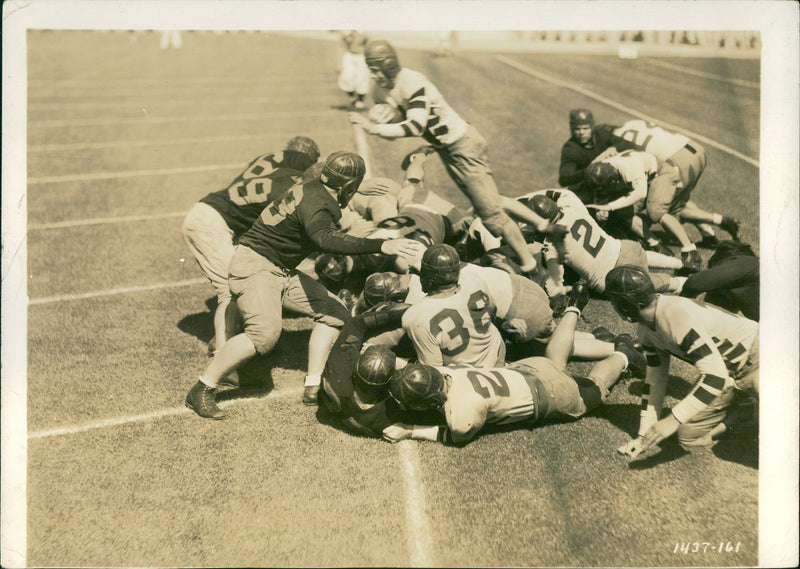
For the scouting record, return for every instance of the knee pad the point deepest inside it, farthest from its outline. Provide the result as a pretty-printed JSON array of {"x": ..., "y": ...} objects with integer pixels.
[{"x": 497, "y": 222}]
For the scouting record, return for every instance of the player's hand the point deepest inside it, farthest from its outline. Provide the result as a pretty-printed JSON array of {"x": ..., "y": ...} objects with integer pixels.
[
  {"x": 397, "y": 432},
  {"x": 632, "y": 448},
  {"x": 360, "y": 120},
  {"x": 406, "y": 248},
  {"x": 664, "y": 428},
  {"x": 602, "y": 215}
]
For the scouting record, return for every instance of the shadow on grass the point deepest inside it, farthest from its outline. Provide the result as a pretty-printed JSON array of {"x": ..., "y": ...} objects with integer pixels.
[{"x": 201, "y": 324}]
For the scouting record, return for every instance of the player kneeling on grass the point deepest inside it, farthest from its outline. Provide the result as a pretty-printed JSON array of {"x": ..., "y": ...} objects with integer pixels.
[
  {"x": 530, "y": 390},
  {"x": 264, "y": 280},
  {"x": 355, "y": 385},
  {"x": 723, "y": 347}
]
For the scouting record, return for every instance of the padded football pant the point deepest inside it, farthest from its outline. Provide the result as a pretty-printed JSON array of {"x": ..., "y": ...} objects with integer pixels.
[
  {"x": 211, "y": 242},
  {"x": 263, "y": 289},
  {"x": 672, "y": 186}
]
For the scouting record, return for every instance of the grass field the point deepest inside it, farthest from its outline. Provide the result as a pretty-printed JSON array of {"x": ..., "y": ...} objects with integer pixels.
[{"x": 123, "y": 138}]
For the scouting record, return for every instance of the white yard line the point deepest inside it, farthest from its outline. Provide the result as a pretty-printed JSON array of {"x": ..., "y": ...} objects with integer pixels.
[
  {"x": 689, "y": 71},
  {"x": 171, "y": 412},
  {"x": 130, "y": 174},
  {"x": 418, "y": 529},
  {"x": 172, "y": 102},
  {"x": 105, "y": 220},
  {"x": 145, "y": 119},
  {"x": 271, "y": 79},
  {"x": 113, "y": 291},
  {"x": 169, "y": 141},
  {"x": 597, "y": 97}
]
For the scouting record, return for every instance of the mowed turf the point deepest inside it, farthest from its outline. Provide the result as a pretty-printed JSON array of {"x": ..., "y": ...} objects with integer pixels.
[{"x": 274, "y": 484}]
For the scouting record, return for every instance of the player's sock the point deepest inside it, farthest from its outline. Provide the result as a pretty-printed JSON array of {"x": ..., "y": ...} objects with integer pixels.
[
  {"x": 312, "y": 379},
  {"x": 717, "y": 218},
  {"x": 206, "y": 382},
  {"x": 624, "y": 358}
]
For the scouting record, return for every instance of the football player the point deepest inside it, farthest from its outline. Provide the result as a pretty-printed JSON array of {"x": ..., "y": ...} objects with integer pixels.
[
  {"x": 722, "y": 346},
  {"x": 586, "y": 144},
  {"x": 688, "y": 158},
  {"x": 263, "y": 278},
  {"x": 462, "y": 149},
  {"x": 355, "y": 385},
  {"x": 731, "y": 280},
  {"x": 216, "y": 222},
  {"x": 587, "y": 248},
  {"x": 526, "y": 392},
  {"x": 634, "y": 177},
  {"x": 354, "y": 75},
  {"x": 453, "y": 323}
]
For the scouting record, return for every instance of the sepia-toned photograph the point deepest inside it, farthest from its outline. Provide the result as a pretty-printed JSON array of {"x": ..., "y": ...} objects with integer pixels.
[{"x": 400, "y": 284}]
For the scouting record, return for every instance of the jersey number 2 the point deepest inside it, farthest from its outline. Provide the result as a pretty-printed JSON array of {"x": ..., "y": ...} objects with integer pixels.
[{"x": 582, "y": 229}]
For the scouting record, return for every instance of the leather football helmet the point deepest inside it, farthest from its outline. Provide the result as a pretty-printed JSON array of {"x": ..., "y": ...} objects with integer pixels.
[
  {"x": 383, "y": 287},
  {"x": 305, "y": 147},
  {"x": 418, "y": 387},
  {"x": 381, "y": 55},
  {"x": 376, "y": 366},
  {"x": 440, "y": 267},
  {"x": 343, "y": 172},
  {"x": 630, "y": 288},
  {"x": 602, "y": 175},
  {"x": 579, "y": 117}
]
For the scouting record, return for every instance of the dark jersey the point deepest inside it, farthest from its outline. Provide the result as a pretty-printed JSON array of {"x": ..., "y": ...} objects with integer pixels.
[
  {"x": 338, "y": 393},
  {"x": 732, "y": 285},
  {"x": 575, "y": 158},
  {"x": 264, "y": 180},
  {"x": 303, "y": 221}
]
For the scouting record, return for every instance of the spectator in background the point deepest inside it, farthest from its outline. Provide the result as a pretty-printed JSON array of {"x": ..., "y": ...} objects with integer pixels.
[
  {"x": 586, "y": 144},
  {"x": 354, "y": 75},
  {"x": 171, "y": 39}
]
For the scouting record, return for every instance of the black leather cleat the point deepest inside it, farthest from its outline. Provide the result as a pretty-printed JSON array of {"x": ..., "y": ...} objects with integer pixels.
[
  {"x": 579, "y": 296},
  {"x": 730, "y": 225},
  {"x": 636, "y": 362},
  {"x": 310, "y": 395},
  {"x": 202, "y": 400}
]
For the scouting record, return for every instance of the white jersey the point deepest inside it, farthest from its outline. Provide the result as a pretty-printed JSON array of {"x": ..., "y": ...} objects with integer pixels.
[
  {"x": 498, "y": 284},
  {"x": 456, "y": 329},
  {"x": 634, "y": 166},
  {"x": 486, "y": 396},
  {"x": 652, "y": 139},
  {"x": 588, "y": 249}
]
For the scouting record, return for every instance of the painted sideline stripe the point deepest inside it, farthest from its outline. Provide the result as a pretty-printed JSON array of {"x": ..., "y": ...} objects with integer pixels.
[
  {"x": 417, "y": 525},
  {"x": 130, "y": 174},
  {"x": 113, "y": 291},
  {"x": 689, "y": 71},
  {"x": 363, "y": 149},
  {"x": 166, "y": 141},
  {"x": 171, "y": 412},
  {"x": 271, "y": 79},
  {"x": 171, "y": 102},
  {"x": 104, "y": 220},
  {"x": 146, "y": 119},
  {"x": 571, "y": 86}
]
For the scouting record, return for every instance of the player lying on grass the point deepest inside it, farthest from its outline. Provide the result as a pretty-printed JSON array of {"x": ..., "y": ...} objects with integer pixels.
[
  {"x": 216, "y": 222},
  {"x": 526, "y": 392},
  {"x": 355, "y": 385},
  {"x": 659, "y": 191},
  {"x": 420, "y": 111},
  {"x": 263, "y": 278},
  {"x": 731, "y": 280},
  {"x": 586, "y": 144},
  {"x": 722, "y": 346}
]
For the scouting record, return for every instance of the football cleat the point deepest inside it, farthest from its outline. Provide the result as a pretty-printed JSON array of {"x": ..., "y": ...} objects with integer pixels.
[
  {"x": 423, "y": 151},
  {"x": 310, "y": 394},
  {"x": 603, "y": 334},
  {"x": 636, "y": 362},
  {"x": 708, "y": 242},
  {"x": 692, "y": 262},
  {"x": 579, "y": 296},
  {"x": 730, "y": 225},
  {"x": 202, "y": 400},
  {"x": 658, "y": 247}
]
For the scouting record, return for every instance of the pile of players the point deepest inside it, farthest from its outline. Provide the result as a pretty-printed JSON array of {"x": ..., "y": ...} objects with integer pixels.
[{"x": 431, "y": 322}]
